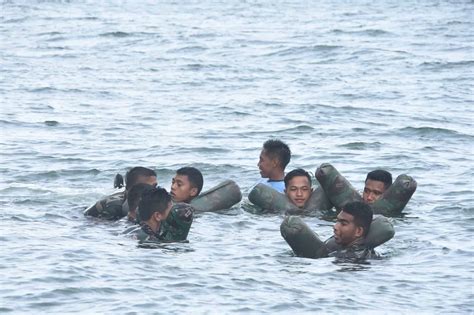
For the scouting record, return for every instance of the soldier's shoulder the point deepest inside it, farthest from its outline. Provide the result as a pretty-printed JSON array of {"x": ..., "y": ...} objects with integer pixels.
[{"x": 109, "y": 207}]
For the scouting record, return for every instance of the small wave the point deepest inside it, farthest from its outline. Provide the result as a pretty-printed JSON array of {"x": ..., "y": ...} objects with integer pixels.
[
  {"x": 19, "y": 20},
  {"x": 437, "y": 65},
  {"x": 21, "y": 218},
  {"x": 58, "y": 174},
  {"x": 48, "y": 89},
  {"x": 54, "y": 216},
  {"x": 188, "y": 49},
  {"x": 49, "y": 33},
  {"x": 55, "y": 38},
  {"x": 11, "y": 123},
  {"x": 24, "y": 190},
  {"x": 304, "y": 50},
  {"x": 115, "y": 34},
  {"x": 34, "y": 202},
  {"x": 428, "y": 131},
  {"x": 199, "y": 66},
  {"x": 299, "y": 129},
  {"x": 209, "y": 150},
  {"x": 42, "y": 89},
  {"x": 361, "y": 145},
  {"x": 87, "y": 18},
  {"x": 55, "y": 48},
  {"x": 51, "y": 122},
  {"x": 369, "y": 32},
  {"x": 6, "y": 310}
]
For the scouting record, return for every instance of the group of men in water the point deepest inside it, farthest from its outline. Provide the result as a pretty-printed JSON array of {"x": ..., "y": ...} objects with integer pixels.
[
  {"x": 149, "y": 206},
  {"x": 353, "y": 221}
]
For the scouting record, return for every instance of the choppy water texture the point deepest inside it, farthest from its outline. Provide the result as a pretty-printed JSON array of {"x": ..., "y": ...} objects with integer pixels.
[{"x": 89, "y": 89}]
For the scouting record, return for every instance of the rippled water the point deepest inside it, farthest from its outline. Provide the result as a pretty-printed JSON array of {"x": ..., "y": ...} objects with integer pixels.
[{"x": 89, "y": 89}]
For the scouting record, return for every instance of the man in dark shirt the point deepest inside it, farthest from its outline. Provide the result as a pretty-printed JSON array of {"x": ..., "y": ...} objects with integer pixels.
[
  {"x": 352, "y": 225},
  {"x": 154, "y": 207},
  {"x": 160, "y": 219},
  {"x": 115, "y": 206}
]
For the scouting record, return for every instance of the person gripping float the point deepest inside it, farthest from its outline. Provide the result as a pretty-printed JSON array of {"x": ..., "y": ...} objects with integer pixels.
[{"x": 349, "y": 233}]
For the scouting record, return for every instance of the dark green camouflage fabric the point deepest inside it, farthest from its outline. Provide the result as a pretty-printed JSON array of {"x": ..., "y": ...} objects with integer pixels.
[
  {"x": 357, "y": 250},
  {"x": 337, "y": 187},
  {"x": 220, "y": 197},
  {"x": 270, "y": 200},
  {"x": 381, "y": 231},
  {"x": 396, "y": 197},
  {"x": 303, "y": 241},
  {"x": 306, "y": 243},
  {"x": 174, "y": 229},
  {"x": 339, "y": 191},
  {"x": 113, "y": 207},
  {"x": 143, "y": 233},
  {"x": 177, "y": 225},
  {"x": 318, "y": 200}
]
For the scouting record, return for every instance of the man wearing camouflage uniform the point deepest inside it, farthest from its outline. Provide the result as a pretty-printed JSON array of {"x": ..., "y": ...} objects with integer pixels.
[
  {"x": 352, "y": 225},
  {"x": 160, "y": 220},
  {"x": 115, "y": 206}
]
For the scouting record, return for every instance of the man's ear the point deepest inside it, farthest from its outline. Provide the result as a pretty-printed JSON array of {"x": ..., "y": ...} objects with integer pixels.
[
  {"x": 275, "y": 163},
  {"x": 194, "y": 192},
  {"x": 157, "y": 216},
  {"x": 359, "y": 231}
]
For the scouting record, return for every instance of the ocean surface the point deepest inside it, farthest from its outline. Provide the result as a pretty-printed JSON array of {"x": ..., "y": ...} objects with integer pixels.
[{"x": 89, "y": 89}]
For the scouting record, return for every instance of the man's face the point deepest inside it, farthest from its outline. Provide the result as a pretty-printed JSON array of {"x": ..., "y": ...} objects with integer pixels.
[
  {"x": 150, "y": 180},
  {"x": 345, "y": 230},
  {"x": 373, "y": 190},
  {"x": 181, "y": 189},
  {"x": 299, "y": 190},
  {"x": 266, "y": 165}
]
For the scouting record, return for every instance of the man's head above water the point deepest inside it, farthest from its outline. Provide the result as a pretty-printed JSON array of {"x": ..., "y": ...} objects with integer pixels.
[
  {"x": 376, "y": 183},
  {"x": 353, "y": 223},
  {"x": 186, "y": 185},
  {"x": 298, "y": 187}
]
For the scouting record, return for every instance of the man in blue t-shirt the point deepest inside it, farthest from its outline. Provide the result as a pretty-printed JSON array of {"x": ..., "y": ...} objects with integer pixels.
[{"x": 274, "y": 158}]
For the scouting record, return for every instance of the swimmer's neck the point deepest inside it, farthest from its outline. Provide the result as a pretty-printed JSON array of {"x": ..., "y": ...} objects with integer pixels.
[{"x": 277, "y": 176}]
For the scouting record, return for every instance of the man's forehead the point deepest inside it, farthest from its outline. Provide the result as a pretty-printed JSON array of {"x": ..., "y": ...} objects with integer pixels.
[
  {"x": 375, "y": 184},
  {"x": 299, "y": 181},
  {"x": 182, "y": 178},
  {"x": 145, "y": 178},
  {"x": 345, "y": 216}
]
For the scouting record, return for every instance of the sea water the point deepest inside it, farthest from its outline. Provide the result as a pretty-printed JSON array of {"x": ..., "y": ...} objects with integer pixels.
[{"x": 89, "y": 89}]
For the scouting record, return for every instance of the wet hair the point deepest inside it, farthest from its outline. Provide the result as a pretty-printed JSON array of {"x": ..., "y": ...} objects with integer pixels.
[
  {"x": 294, "y": 173},
  {"x": 153, "y": 200},
  {"x": 133, "y": 174},
  {"x": 362, "y": 214},
  {"x": 194, "y": 177},
  {"x": 135, "y": 194},
  {"x": 380, "y": 176},
  {"x": 278, "y": 149}
]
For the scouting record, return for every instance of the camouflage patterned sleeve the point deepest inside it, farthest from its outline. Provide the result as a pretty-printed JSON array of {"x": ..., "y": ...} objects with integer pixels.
[
  {"x": 177, "y": 225},
  {"x": 109, "y": 208}
]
